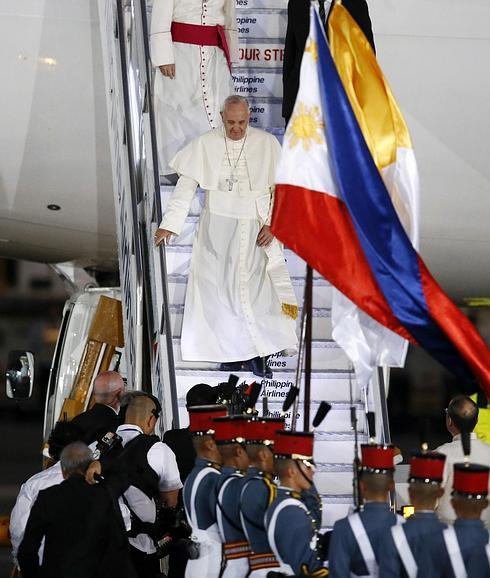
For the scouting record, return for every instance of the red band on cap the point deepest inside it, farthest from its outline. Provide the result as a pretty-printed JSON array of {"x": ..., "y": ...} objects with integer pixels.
[
  {"x": 202, "y": 421},
  {"x": 377, "y": 457},
  {"x": 426, "y": 468},
  {"x": 226, "y": 430},
  {"x": 289, "y": 443},
  {"x": 259, "y": 430},
  {"x": 470, "y": 482}
]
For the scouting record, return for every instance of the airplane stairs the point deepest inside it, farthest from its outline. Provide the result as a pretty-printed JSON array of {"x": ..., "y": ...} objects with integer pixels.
[{"x": 334, "y": 439}]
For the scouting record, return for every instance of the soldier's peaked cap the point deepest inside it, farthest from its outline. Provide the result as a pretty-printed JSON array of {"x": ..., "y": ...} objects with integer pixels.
[
  {"x": 470, "y": 481},
  {"x": 427, "y": 467},
  {"x": 262, "y": 430},
  {"x": 377, "y": 458},
  {"x": 294, "y": 445},
  {"x": 201, "y": 418},
  {"x": 230, "y": 429}
]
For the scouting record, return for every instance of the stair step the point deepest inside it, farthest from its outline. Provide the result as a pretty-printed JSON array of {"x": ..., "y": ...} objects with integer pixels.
[
  {"x": 322, "y": 326},
  {"x": 322, "y": 290},
  {"x": 179, "y": 258},
  {"x": 331, "y": 386},
  {"x": 333, "y": 481},
  {"x": 326, "y": 356},
  {"x": 335, "y": 508}
]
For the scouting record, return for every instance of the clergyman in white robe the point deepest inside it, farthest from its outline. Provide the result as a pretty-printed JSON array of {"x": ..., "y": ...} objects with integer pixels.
[
  {"x": 189, "y": 104},
  {"x": 240, "y": 303}
]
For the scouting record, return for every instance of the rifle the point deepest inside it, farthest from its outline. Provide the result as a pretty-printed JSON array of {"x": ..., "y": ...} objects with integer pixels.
[{"x": 356, "y": 466}]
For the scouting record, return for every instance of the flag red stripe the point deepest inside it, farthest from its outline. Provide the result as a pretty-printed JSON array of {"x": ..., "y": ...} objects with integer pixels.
[
  {"x": 318, "y": 228},
  {"x": 457, "y": 327}
]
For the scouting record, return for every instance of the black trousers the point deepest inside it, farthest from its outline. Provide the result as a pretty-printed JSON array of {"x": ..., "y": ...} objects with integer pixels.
[{"x": 146, "y": 565}]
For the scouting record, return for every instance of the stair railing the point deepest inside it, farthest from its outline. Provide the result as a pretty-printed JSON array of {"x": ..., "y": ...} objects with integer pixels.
[{"x": 127, "y": 71}]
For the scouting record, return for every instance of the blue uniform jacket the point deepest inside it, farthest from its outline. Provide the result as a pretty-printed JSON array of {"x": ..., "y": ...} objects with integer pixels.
[
  {"x": 312, "y": 500},
  {"x": 344, "y": 555},
  {"x": 257, "y": 495},
  {"x": 228, "y": 505},
  {"x": 202, "y": 513},
  {"x": 472, "y": 539},
  {"x": 423, "y": 531},
  {"x": 293, "y": 534}
]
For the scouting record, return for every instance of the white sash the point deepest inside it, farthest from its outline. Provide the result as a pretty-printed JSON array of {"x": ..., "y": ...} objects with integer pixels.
[
  {"x": 364, "y": 544},
  {"x": 487, "y": 548},
  {"x": 454, "y": 551},
  {"x": 403, "y": 548}
]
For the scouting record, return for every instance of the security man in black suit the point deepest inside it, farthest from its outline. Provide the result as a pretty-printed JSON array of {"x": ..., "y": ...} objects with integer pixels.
[
  {"x": 296, "y": 35},
  {"x": 103, "y": 415},
  {"x": 81, "y": 524}
]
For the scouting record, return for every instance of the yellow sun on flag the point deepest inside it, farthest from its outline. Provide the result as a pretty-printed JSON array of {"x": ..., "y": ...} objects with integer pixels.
[
  {"x": 312, "y": 48},
  {"x": 306, "y": 126}
]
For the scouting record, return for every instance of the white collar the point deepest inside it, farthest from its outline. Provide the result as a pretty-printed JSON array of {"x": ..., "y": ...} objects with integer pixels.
[
  {"x": 457, "y": 437},
  {"x": 129, "y": 427}
]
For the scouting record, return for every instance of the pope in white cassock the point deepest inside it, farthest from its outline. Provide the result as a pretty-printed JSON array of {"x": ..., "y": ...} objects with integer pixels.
[
  {"x": 240, "y": 305},
  {"x": 193, "y": 44}
]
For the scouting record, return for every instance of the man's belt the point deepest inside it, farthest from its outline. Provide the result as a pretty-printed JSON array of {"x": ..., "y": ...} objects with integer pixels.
[
  {"x": 235, "y": 550},
  {"x": 261, "y": 561},
  {"x": 202, "y": 36}
]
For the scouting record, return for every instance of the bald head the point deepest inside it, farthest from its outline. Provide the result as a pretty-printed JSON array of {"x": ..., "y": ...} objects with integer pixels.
[
  {"x": 108, "y": 389},
  {"x": 143, "y": 412},
  {"x": 462, "y": 415}
]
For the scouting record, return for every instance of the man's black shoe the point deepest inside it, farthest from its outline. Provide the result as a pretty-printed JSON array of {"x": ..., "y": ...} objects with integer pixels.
[
  {"x": 231, "y": 366},
  {"x": 258, "y": 366}
]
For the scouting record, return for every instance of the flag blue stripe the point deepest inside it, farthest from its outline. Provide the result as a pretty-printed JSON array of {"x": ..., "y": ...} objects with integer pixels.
[{"x": 388, "y": 250}]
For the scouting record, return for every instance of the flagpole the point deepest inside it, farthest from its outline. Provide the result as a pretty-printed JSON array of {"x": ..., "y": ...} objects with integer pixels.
[{"x": 308, "y": 337}]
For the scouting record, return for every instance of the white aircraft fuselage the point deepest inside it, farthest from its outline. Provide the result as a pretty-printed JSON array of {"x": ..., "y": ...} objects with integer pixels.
[{"x": 54, "y": 144}]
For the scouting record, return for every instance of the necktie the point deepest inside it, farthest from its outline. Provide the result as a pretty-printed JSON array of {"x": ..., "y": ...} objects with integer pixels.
[{"x": 321, "y": 4}]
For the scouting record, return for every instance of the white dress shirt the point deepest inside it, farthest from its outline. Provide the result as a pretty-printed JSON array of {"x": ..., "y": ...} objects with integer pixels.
[
  {"x": 480, "y": 454},
  {"x": 162, "y": 460},
  {"x": 25, "y": 500}
]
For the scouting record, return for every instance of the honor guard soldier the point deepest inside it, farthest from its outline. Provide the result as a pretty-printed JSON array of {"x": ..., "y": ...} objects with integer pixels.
[
  {"x": 356, "y": 539},
  {"x": 230, "y": 436},
  {"x": 464, "y": 549},
  {"x": 200, "y": 490},
  {"x": 291, "y": 527},
  {"x": 407, "y": 551},
  {"x": 259, "y": 492}
]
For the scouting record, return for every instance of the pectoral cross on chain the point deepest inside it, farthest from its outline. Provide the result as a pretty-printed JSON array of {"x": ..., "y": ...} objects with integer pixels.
[{"x": 231, "y": 181}]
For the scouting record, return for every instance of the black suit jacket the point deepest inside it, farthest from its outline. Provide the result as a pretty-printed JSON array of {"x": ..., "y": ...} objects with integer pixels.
[
  {"x": 96, "y": 422},
  {"x": 180, "y": 442},
  {"x": 296, "y": 35},
  {"x": 83, "y": 531}
]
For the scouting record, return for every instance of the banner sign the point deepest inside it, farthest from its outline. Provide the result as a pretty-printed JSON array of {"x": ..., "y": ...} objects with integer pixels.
[
  {"x": 269, "y": 4},
  {"x": 266, "y": 113},
  {"x": 260, "y": 54},
  {"x": 258, "y": 83},
  {"x": 262, "y": 24}
]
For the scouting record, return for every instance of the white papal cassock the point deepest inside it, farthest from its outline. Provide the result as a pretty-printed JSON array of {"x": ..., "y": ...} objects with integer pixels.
[
  {"x": 189, "y": 105},
  {"x": 240, "y": 302}
]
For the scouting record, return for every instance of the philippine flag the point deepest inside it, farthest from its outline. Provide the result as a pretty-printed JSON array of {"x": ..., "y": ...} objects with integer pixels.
[{"x": 348, "y": 182}]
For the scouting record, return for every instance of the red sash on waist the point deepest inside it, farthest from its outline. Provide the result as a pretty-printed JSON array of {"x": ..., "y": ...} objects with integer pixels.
[{"x": 202, "y": 36}]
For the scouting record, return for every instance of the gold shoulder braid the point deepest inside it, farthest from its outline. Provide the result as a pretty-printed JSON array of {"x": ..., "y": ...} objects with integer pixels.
[{"x": 272, "y": 490}]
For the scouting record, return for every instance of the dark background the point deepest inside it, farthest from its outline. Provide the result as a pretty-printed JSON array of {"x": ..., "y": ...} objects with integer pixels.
[{"x": 31, "y": 305}]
